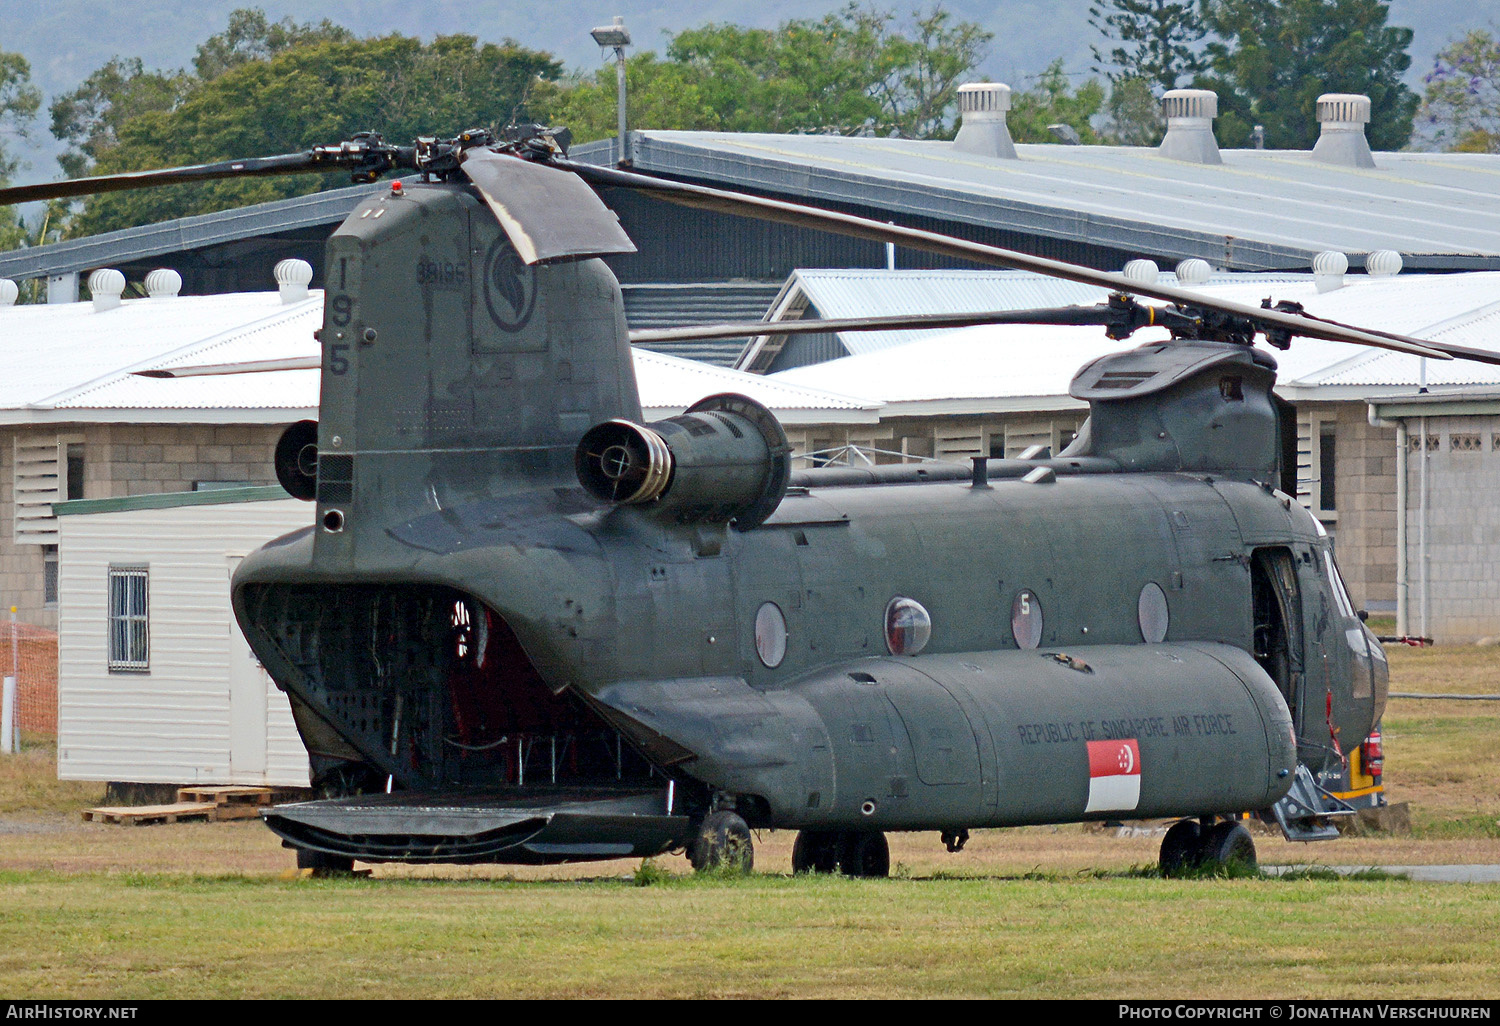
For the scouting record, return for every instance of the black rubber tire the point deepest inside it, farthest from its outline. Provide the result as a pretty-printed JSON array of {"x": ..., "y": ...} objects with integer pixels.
[
  {"x": 1227, "y": 844},
  {"x": 322, "y": 862},
  {"x": 865, "y": 855},
  {"x": 723, "y": 841},
  {"x": 815, "y": 851},
  {"x": 1180, "y": 849}
]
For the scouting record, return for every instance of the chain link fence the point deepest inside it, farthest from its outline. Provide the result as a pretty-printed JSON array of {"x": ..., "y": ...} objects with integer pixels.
[{"x": 30, "y": 653}]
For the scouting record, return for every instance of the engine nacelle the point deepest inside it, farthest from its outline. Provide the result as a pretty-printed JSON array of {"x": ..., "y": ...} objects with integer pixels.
[
  {"x": 296, "y": 460},
  {"x": 725, "y": 460}
]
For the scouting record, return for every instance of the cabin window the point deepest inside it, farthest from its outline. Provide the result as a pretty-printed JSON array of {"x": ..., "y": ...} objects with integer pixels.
[
  {"x": 908, "y": 626},
  {"x": 770, "y": 635},
  {"x": 49, "y": 575},
  {"x": 1152, "y": 614},
  {"x": 129, "y": 634},
  {"x": 1026, "y": 619},
  {"x": 1327, "y": 496}
]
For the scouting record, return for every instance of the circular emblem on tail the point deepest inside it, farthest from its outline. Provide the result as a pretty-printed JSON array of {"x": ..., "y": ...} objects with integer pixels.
[{"x": 509, "y": 287}]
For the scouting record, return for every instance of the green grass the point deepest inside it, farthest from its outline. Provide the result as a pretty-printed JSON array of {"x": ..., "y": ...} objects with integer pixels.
[{"x": 1104, "y": 935}]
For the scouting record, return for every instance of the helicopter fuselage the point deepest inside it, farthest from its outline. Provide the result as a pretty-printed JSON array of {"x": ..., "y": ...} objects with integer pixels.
[{"x": 1140, "y": 627}]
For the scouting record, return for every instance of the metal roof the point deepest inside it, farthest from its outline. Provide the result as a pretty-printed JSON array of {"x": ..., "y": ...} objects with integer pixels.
[
  {"x": 67, "y": 363},
  {"x": 1259, "y": 210},
  {"x": 197, "y": 232},
  {"x": 1028, "y": 367},
  {"x": 862, "y": 292}
]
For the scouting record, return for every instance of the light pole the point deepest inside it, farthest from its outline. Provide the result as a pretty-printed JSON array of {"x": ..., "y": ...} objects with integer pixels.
[{"x": 617, "y": 37}]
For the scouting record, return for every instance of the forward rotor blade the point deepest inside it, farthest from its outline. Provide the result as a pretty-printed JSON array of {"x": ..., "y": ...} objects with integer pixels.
[
  {"x": 284, "y": 164},
  {"x": 1098, "y": 315},
  {"x": 248, "y": 367},
  {"x": 745, "y": 205}
]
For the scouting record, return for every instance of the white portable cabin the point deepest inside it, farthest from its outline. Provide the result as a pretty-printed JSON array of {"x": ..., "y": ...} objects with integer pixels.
[{"x": 156, "y": 684}]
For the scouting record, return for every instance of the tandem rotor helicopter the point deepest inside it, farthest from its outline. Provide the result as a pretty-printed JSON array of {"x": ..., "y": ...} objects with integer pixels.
[{"x": 527, "y": 627}]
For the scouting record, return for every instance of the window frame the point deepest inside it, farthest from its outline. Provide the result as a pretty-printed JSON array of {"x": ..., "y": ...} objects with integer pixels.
[{"x": 121, "y": 654}]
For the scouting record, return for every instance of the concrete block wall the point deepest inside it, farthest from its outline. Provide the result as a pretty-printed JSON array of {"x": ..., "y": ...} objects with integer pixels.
[
  {"x": 125, "y": 460},
  {"x": 1463, "y": 528},
  {"x": 1365, "y": 536}
]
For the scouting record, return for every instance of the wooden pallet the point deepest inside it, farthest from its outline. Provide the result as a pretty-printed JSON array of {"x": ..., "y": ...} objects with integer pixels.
[
  {"x": 141, "y": 815},
  {"x": 239, "y": 796}
]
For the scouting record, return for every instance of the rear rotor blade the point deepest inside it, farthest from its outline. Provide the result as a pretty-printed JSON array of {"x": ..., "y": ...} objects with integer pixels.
[
  {"x": 248, "y": 367},
  {"x": 745, "y": 205},
  {"x": 548, "y": 215},
  {"x": 284, "y": 164},
  {"x": 1097, "y": 315}
]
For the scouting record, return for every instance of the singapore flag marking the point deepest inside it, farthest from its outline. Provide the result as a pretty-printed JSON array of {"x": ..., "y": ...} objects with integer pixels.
[{"x": 1114, "y": 776}]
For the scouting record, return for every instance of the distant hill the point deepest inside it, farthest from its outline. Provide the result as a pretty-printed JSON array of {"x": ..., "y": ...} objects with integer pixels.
[{"x": 67, "y": 39}]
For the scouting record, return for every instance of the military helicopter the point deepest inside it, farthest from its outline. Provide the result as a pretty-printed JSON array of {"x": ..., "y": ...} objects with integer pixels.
[{"x": 527, "y": 627}]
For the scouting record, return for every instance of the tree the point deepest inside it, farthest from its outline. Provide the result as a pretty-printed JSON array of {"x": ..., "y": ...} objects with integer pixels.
[
  {"x": 1132, "y": 114},
  {"x": 1158, "y": 40},
  {"x": 1273, "y": 58},
  {"x": 251, "y": 36},
  {"x": 309, "y": 93},
  {"x": 851, "y": 71},
  {"x": 1461, "y": 101},
  {"x": 89, "y": 118},
  {"x": 1051, "y": 100},
  {"x": 19, "y": 101}
]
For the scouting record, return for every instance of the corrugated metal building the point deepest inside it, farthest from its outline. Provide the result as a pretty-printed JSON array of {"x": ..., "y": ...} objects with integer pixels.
[{"x": 156, "y": 682}]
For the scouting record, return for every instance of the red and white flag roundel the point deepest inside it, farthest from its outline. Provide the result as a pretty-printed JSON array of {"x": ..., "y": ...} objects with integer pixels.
[{"x": 1114, "y": 776}]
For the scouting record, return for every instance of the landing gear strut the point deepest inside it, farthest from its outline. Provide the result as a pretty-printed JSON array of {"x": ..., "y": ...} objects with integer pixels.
[
  {"x": 854, "y": 853},
  {"x": 1191, "y": 845}
]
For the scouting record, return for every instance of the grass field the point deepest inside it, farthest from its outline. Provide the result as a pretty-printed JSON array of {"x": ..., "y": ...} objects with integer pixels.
[{"x": 210, "y": 910}]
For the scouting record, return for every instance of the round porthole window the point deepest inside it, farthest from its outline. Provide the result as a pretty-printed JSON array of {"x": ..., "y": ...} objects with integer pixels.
[
  {"x": 1151, "y": 609},
  {"x": 1026, "y": 619},
  {"x": 770, "y": 634},
  {"x": 908, "y": 626}
]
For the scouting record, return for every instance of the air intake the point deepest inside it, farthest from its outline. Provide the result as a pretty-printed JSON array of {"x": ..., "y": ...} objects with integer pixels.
[
  {"x": 1190, "y": 117},
  {"x": 984, "y": 132},
  {"x": 1343, "y": 117}
]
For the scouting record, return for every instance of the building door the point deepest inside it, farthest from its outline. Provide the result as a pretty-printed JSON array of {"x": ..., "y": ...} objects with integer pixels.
[{"x": 247, "y": 704}]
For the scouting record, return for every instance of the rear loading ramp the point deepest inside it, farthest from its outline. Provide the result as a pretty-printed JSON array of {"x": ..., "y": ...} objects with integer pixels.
[{"x": 520, "y": 827}]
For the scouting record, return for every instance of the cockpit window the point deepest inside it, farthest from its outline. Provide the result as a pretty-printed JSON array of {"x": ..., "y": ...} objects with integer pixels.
[{"x": 1340, "y": 593}]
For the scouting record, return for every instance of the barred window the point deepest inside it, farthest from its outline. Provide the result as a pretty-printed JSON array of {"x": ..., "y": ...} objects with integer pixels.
[{"x": 129, "y": 636}]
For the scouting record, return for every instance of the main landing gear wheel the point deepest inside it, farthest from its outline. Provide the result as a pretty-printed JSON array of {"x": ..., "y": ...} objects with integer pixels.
[
  {"x": 1227, "y": 844},
  {"x": 1190, "y": 846},
  {"x": 1179, "y": 849},
  {"x": 322, "y": 863},
  {"x": 722, "y": 842},
  {"x": 865, "y": 854},
  {"x": 816, "y": 851}
]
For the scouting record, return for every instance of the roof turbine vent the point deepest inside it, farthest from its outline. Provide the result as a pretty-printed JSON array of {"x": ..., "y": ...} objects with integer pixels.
[
  {"x": 292, "y": 278},
  {"x": 1190, "y": 117},
  {"x": 9, "y": 290},
  {"x": 1141, "y": 270},
  {"x": 1343, "y": 117},
  {"x": 984, "y": 131},
  {"x": 1328, "y": 270},
  {"x": 106, "y": 286},
  {"x": 1193, "y": 271},
  {"x": 1383, "y": 263},
  {"x": 163, "y": 283}
]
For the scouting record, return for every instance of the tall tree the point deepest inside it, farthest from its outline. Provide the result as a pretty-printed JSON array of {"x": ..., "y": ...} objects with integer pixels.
[
  {"x": 1272, "y": 59},
  {"x": 1461, "y": 101},
  {"x": 1157, "y": 41},
  {"x": 309, "y": 93},
  {"x": 855, "y": 70},
  {"x": 19, "y": 102},
  {"x": 251, "y": 36},
  {"x": 1052, "y": 100}
]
